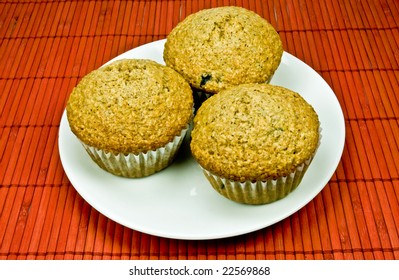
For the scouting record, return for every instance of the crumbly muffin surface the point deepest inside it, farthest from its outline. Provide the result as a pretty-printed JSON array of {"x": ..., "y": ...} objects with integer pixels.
[
  {"x": 130, "y": 106},
  {"x": 254, "y": 132},
  {"x": 217, "y": 48}
]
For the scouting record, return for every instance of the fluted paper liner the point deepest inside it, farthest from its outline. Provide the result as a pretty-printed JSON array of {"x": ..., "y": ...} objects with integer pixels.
[
  {"x": 259, "y": 192},
  {"x": 137, "y": 165}
]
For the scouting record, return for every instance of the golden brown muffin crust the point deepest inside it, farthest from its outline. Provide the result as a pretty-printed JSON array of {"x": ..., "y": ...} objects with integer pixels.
[
  {"x": 130, "y": 106},
  {"x": 217, "y": 48},
  {"x": 254, "y": 132}
]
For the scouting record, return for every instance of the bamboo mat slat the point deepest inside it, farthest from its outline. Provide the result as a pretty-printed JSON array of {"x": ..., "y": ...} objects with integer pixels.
[{"x": 46, "y": 47}]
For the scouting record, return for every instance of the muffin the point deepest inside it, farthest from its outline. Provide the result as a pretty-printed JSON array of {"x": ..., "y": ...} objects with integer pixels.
[
  {"x": 255, "y": 142},
  {"x": 131, "y": 116},
  {"x": 217, "y": 48}
]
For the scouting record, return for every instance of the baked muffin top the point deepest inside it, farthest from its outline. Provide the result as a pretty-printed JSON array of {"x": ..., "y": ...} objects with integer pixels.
[
  {"x": 254, "y": 132},
  {"x": 130, "y": 106},
  {"x": 216, "y": 48}
]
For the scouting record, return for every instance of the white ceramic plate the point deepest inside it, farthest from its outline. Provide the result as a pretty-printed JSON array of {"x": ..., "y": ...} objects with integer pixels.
[{"x": 178, "y": 202}]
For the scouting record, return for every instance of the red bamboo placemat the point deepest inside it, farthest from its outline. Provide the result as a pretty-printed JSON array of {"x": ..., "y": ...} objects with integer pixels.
[{"x": 47, "y": 46}]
